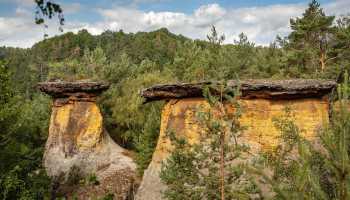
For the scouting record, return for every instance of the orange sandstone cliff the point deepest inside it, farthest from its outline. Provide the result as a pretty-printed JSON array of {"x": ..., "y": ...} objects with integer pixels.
[
  {"x": 78, "y": 145},
  {"x": 262, "y": 101}
]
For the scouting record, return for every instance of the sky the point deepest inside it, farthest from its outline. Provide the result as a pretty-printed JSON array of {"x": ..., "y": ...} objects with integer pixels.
[{"x": 260, "y": 20}]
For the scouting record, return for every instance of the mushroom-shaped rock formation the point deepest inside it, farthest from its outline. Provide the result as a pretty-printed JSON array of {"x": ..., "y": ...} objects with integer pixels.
[
  {"x": 262, "y": 101},
  {"x": 78, "y": 145}
]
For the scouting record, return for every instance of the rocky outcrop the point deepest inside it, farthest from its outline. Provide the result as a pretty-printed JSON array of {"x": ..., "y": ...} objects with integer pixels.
[
  {"x": 264, "y": 89},
  {"x": 78, "y": 145},
  {"x": 262, "y": 101}
]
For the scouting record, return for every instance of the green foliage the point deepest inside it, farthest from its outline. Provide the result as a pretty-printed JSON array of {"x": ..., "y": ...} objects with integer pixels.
[
  {"x": 5, "y": 87},
  {"x": 120, "y": 69},
  {"x": 131, "y": 62},
  {"x": 92, "y": 179},
  {"x": 136, "y": 125},
  {"x": 47, "y": 9},
  {"x": 14, "y": 186},
  {"x": 23, "y": 125},
  {"x": 108, "y": 197},
  {"x": 91, "y": 66},
  {"x": 295, "y": 172},
  {"x": 310, "y": 39},
  {"x": 335, "y": 139}
]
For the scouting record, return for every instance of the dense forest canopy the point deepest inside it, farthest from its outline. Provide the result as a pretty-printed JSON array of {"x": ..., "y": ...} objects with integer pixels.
[{"x": 317, "y": 47}]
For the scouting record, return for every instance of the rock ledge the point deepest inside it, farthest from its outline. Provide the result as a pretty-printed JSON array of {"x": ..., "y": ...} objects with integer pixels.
[
  {"x": 61, "y": 89},
  {"x": 259, "y": 88}
]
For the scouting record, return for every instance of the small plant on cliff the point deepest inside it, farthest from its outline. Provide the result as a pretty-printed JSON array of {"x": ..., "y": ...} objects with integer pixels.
[
  {"x": 108, "y": 196},
  {"x": 92, "y": 179},
  {"x": 211, "y": 168}
]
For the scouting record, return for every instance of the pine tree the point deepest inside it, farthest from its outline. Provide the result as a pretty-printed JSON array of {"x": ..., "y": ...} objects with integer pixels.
[
  {"x": 336, "y": 141},
  {"x": 245, "y": 50},
  {"x": 211, "y": 58},
  {"x": 342, "y": 42},
  {"x": 310, "y": 37}
]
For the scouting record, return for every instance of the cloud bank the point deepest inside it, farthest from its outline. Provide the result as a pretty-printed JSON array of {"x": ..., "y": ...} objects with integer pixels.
[{"x": 261, "y": 24}]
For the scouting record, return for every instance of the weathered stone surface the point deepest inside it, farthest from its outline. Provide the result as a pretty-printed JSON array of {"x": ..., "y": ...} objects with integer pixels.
[
  {"x": 77, "y": 140},
  {"x": 79, "y": 89},
  {"x": 261, "y": 101},
  {"x": 266, "y": 89},
  {"x": 177, "y": 116}
]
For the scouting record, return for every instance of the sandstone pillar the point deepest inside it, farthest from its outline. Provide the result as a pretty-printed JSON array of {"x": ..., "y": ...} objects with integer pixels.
[
  {"x": 262, "y": 101},
  {"x": 78, "y": 145}
]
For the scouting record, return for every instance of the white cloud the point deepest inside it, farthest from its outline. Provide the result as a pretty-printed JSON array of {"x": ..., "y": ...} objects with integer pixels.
[
  {"x": 210, "y": 10},
  {"x": 261, "y": 24},
  {"x": 70, "y": 8},
  {"x": 20, "y": 30},
  {"x": 26, "y": 3},
  {"x": 338, "y": 7}
]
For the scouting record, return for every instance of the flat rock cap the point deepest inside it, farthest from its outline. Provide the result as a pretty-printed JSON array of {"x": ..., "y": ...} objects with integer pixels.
[
  {"x": 251, "y": 88},
  {"x": 65, "y": 89}
]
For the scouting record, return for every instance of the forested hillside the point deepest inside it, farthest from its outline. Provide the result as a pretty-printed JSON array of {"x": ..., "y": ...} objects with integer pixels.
[{"x": 317, "y": 47}]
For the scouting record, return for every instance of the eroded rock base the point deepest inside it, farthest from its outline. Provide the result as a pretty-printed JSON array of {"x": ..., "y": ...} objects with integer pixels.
[{"x": 78, "y": 145}]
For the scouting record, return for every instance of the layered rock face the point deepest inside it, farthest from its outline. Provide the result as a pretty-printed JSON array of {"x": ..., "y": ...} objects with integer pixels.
[
  {"x": 262, "y": 101},
  {"x": 78, "y": 145}
]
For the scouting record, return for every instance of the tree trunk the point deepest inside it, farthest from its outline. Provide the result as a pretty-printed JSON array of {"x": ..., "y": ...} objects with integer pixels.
[
  {"x": 323, "y": 54},
  {"x": 222, "y": 148},
  {"x": 222, "y": 165},
  {"x": 323, "y": 60}
]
